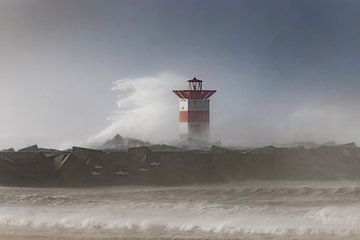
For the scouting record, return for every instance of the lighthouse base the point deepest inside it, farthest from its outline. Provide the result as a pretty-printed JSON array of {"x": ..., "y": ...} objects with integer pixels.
[{"x": 194, "y": 131}]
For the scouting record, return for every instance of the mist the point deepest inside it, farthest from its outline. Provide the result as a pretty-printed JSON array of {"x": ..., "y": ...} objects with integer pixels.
[
  {"x": 147, "y": 109},
  {"x": 77, "y": 72}
]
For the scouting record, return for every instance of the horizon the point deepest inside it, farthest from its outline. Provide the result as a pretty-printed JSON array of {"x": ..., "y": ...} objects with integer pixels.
[{"x": 76, "y": 72}]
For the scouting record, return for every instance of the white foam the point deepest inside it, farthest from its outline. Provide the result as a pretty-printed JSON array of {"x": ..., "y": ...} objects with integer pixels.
[
  {"x": 189, "y": 218},
  {"x": 190, "y": 211}
]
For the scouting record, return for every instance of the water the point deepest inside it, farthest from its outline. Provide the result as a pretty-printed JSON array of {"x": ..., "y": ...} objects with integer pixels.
[{"x": 251, "y": 210}]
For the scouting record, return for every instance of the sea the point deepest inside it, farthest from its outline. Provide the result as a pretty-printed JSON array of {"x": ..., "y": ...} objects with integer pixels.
[{"x": 246, "y": 210}]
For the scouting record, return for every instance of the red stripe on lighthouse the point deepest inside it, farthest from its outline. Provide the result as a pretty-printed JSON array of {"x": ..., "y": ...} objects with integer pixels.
[{"x": 194, "y": 116}]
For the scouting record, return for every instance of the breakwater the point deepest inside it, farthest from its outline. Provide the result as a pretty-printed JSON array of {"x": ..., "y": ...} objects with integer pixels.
[{"x": 79, "y": 167}]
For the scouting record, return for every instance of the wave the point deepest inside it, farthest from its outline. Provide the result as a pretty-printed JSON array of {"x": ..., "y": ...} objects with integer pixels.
[
  {"x": 37, "y": 199},
  {"x": 191, "y": 219},
  {"x": 223, "y": 194},
  {"x": 197, "y": 211},
  {"x": 228, "y": 195},
  {"x": 285, "y": 191}
]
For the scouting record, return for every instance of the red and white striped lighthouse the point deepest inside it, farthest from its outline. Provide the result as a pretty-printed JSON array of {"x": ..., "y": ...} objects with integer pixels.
[{"x": 194, "y": 111}]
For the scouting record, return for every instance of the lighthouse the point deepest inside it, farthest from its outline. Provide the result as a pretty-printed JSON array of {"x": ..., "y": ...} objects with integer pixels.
[{"x": 194, "y": 112}]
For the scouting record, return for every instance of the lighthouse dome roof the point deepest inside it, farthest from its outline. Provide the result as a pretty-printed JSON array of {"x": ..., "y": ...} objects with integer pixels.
[{"x": 194, "y": 80}]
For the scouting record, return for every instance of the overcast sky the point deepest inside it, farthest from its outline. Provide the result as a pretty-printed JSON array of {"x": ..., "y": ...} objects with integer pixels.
[{"x": 74, "y": 70}]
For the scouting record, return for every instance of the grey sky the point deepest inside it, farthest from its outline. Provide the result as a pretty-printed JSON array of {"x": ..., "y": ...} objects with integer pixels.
[{"x": 285, "y": 70}]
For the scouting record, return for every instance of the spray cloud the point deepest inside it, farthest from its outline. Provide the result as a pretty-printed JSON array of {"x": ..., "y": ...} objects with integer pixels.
[{"x": 147, "y": 109}]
